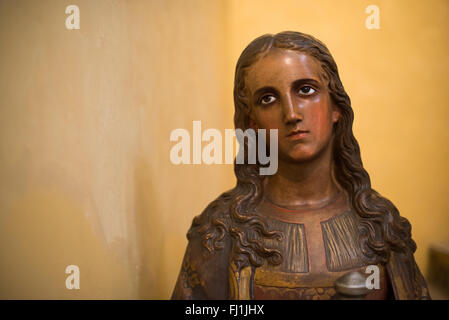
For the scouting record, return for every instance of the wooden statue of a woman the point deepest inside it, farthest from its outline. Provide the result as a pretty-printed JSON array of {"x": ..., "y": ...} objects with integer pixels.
[{"x": 292, "y": 234}]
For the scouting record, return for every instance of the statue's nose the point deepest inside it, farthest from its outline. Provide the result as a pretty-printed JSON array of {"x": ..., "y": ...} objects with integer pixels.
[{"x": 292, "y": 112}]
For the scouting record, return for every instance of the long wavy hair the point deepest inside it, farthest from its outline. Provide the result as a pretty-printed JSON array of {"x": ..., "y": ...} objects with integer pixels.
[{"x": 381, "y": 227}]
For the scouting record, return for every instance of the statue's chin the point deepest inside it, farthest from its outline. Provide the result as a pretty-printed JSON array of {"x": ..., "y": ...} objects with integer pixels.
[
  {"x": 301, "y": 154},
  {"x": 298, "y": 158}
]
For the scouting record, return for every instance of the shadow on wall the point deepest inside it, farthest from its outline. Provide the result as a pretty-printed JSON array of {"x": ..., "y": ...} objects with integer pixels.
[
  {"x": 438, "y": 270},
  {"x": 150, "y": 238}
]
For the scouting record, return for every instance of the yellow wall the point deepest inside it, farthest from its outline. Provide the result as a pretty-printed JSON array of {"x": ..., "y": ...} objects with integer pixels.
[{"x": 86, "y": 115}]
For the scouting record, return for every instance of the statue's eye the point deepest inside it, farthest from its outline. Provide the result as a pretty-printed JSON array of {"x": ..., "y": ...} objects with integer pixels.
[
  {"x": 307, "y": 90},
  {"x": 267, "y": 99}
]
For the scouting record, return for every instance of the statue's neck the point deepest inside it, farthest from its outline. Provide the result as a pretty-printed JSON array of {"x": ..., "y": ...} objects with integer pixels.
[{"x": 307, "y": 183}]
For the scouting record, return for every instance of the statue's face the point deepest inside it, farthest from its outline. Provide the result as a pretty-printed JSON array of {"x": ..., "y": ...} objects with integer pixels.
[{"x": 287, "y": 92}]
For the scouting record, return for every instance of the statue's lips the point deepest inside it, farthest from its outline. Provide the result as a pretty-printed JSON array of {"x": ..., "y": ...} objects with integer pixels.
[{"x": 297, "y": 134}]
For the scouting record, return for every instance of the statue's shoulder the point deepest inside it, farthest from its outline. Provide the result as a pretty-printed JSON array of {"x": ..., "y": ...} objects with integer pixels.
[
  {"x": 216, "y": 216},
  {"x": 204, "y": 271},
  {"x": 406, "y": 278}
]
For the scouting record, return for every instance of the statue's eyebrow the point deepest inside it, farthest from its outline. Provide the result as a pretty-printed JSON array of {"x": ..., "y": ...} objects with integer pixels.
[
  {"x": 311, "y": 81},
  {"x": 263, "y": 90}
]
